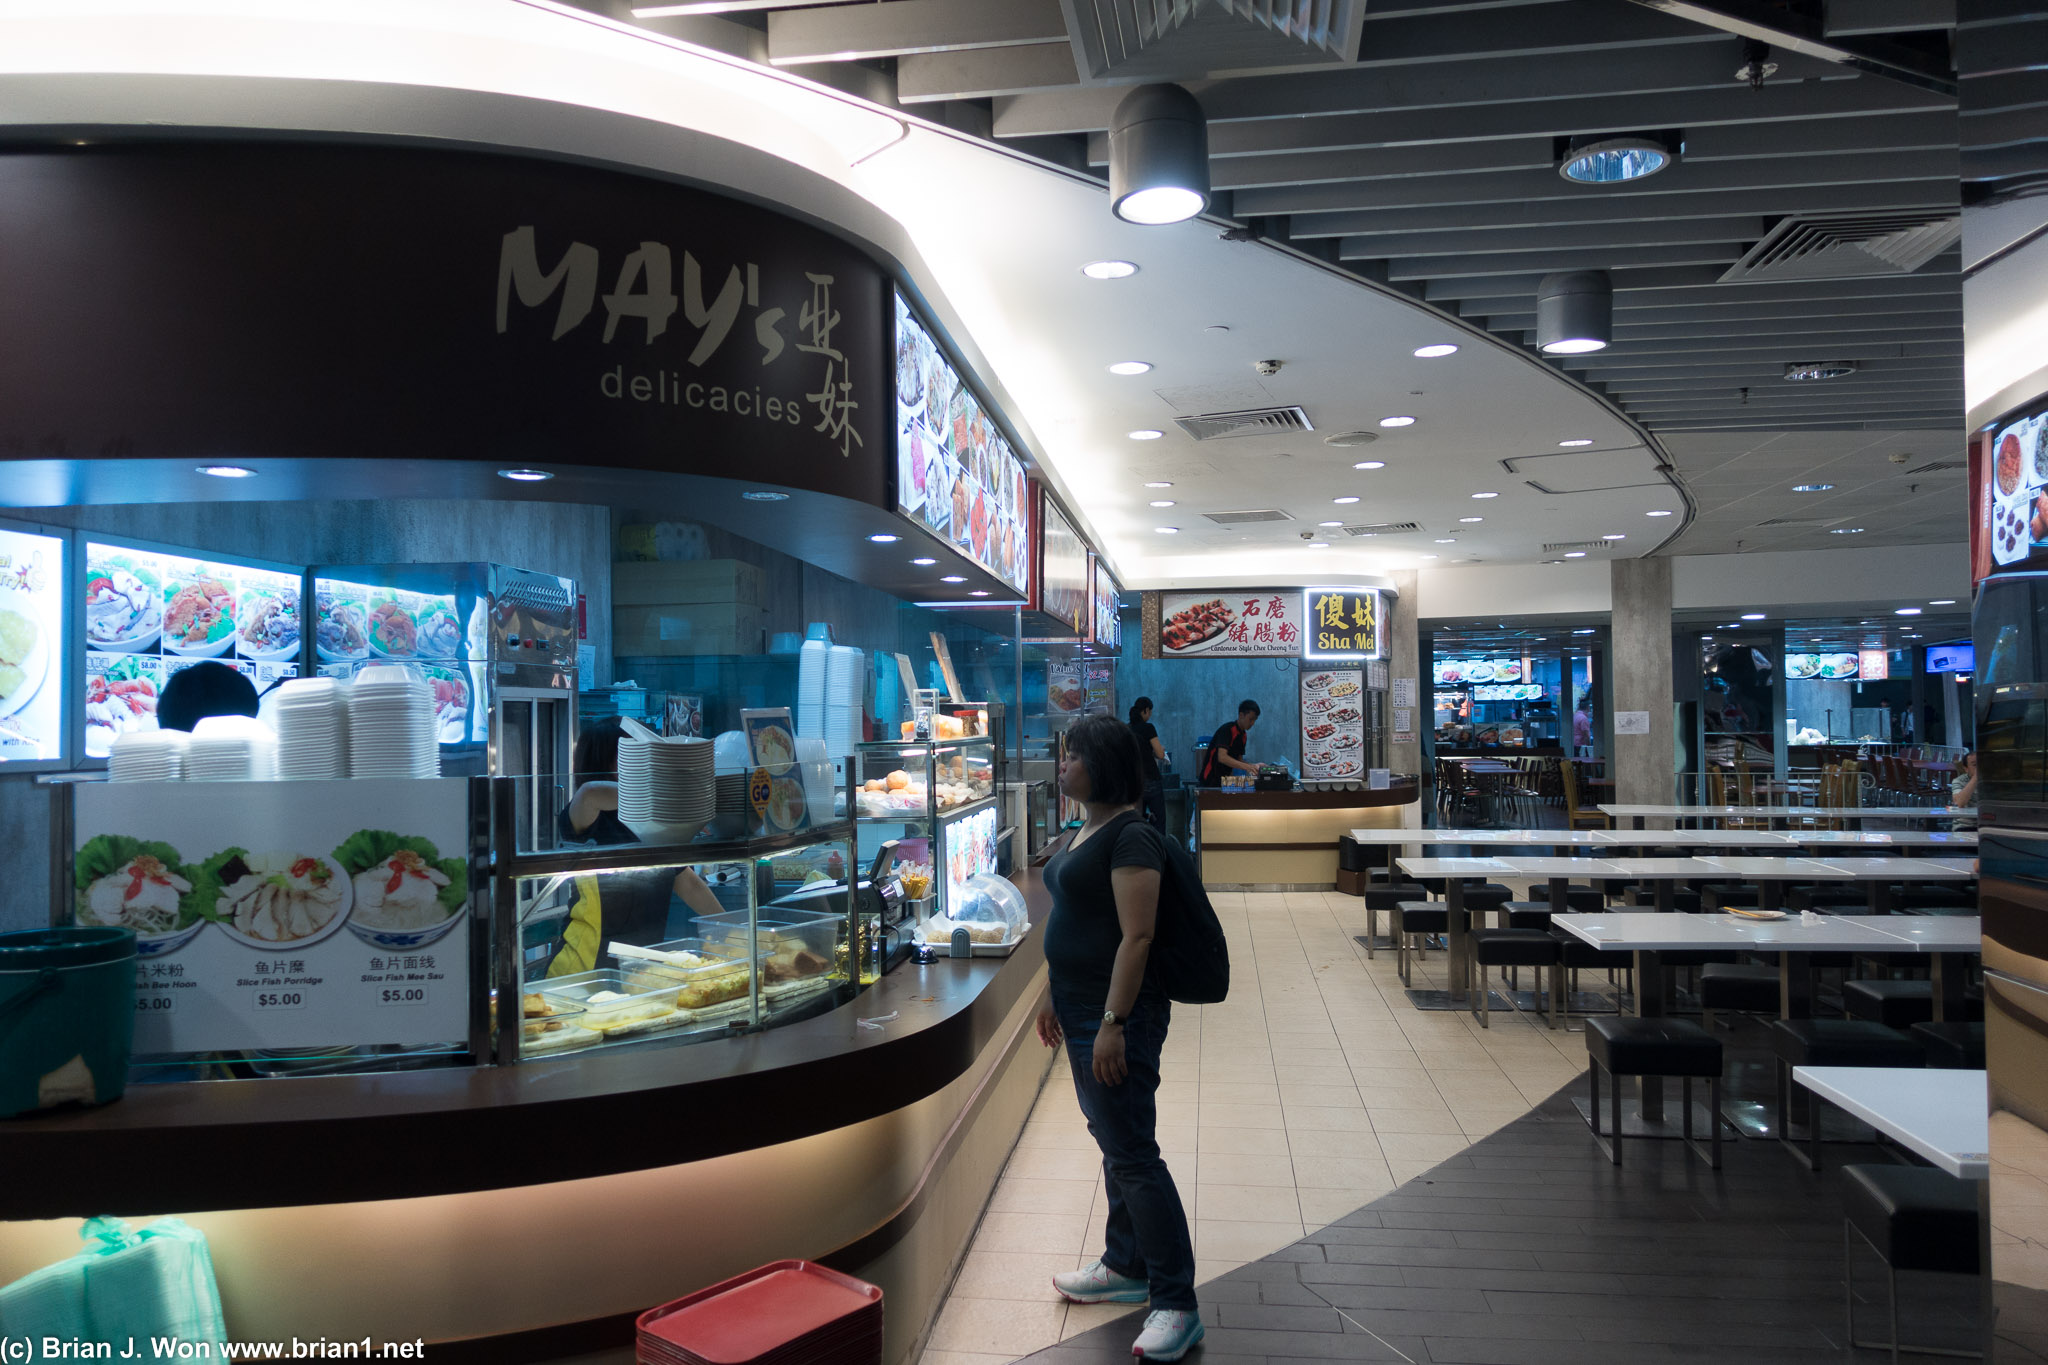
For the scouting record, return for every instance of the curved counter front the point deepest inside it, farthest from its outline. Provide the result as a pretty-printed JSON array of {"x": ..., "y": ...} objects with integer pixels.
[
  {"x": 528, "y": 1212},
  {"x": 1287, "y": 840}
]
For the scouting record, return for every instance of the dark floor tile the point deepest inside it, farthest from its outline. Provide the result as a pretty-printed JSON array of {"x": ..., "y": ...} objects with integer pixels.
[
  {"x": 1252, "y": 1341},
  {"x": 1526, "y": 1281},
  {"x": 1404, "y": 1297},
  {"x": 1280, "y": 1317},
  {"x": 1466, "y": 1261},
  {"x": 1394, "y": 1323},
  {"x": 1384, "y": 1237},
  {"x": 1497, "y": 1351},
  {"x": 1332, "y": 1272}
]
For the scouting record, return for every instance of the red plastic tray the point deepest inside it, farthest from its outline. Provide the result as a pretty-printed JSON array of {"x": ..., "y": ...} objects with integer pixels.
[{"x": 763, "y": 1312}]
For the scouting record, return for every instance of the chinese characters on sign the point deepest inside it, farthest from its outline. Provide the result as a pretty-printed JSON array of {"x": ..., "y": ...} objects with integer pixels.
[
  {"x": 1237, "y": 623},
  {"x": 1344, "y": 623}
]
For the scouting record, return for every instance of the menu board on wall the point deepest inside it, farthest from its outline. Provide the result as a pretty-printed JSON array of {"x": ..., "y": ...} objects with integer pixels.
[
  {"x": 1066, "y": 689},
  {"x": 1845, "y": 665},
  {"x": 356, "y": 625},
  {"x": 1343, "y": 623},
  {"x": 32, "y": 597},
  {"x": 150, "y": 613},
  {"x": 1063, "y": 567},
  {"x": 1100, "y": 676},
  {"x": 1242, "y": 623},
  {"x": 1109, "y": 630},
  {"x": 2012, "y": 496},
  {"x": 1332, "y": 722},
  {"x": 955, "y": 472},
  {"x": 269, "y": 915},
  {"x": 1458, "y": 672},
  {"x": 1507, "y": 692}
]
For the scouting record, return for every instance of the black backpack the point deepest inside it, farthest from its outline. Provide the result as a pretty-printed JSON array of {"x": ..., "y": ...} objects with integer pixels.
[{"x": 1190, "y": 960}]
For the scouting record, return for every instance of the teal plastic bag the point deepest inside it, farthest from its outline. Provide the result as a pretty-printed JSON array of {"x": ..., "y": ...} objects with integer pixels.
[{"x": 126, "y": 1286}]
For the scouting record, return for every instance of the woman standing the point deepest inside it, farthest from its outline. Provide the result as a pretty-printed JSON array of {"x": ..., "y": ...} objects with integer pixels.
[
  {"x": 1151, "y": 753},
  {"x": 1109, "y": 1011}
]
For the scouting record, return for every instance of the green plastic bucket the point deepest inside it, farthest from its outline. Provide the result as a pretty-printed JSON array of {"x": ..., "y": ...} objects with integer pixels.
[{"x": 67, "y": 1016}]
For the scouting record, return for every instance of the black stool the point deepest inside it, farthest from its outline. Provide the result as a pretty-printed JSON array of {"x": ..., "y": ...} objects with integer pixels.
[
  {"x": 1847, "y": 898},
  {"x": 1417, "y": 918},
  {"x": 1895, "y": 1004},
  {"x": 1515, "y": 948},
  {"x": 1579, "y": 900},
  {"x": 1952, "y": 1047},
  {"x": 1575, "y": 954},
  {"x": 1720, "y": 897},
  {"x": 1528, "y": 914},
  {"x": 1914, "y": 1218},
  {"x": 1683, "y": 901},
  {"x": 1625, "y": 1045},
  {"x": 1378, "y": 898},
  {"x": 1485, "y": 897},
  {"x": 1740, "y": 986},
  {"x": 1831, "y": 1042}
]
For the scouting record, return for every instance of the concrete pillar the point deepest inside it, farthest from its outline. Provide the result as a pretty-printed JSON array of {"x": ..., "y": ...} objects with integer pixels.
[
  {"x": 1642, "y": 765},
  {"x": 1403, "y": 662}
]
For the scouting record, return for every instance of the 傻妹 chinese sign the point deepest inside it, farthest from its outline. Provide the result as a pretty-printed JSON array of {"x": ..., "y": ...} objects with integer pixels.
[{"x": 1343, "y": 623}]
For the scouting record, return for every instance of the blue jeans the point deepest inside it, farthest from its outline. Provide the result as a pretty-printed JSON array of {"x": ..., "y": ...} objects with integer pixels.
[{"x": 1147, "y": 1234}]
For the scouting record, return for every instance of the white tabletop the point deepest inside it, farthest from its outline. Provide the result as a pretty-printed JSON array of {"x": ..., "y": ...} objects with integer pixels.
[
  {"x": 1457, "y": 867},
  {"x": 1932, "y": 933},
  {"x": 1667, "y": 838},
  {"x": 1889, "y": 869},
  {"x": 1877, "y": 838},
  {"x": 1537, "y": 838},
  {"x": 1941, "y": 1115},
  {"x": 1853, "y": 869},
  {"x": 1789, "y": 812},
  {"x": 1651, "y": 931}
]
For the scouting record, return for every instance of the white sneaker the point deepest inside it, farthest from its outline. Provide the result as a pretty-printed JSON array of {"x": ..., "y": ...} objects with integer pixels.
[
  {"x": 1097, "y": 1283},
  {"x": 1168, "y": 1334}
]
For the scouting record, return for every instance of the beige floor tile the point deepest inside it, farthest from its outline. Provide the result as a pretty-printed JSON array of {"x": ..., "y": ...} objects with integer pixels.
[
  {"x": 1237, "y": 1073},
  {"x": 1294, "y": 1042},
  {"x": 1240, "y": 1116},
  {"x": 1044, "y": 1233},
  {"x": 1320, "y": 1208},
  {"x": 1321, "y": 1096},
  {"x": 1242, "y": 1242},
  {"x": 1322, "y": 1118},
  {"x": 1341, "y": 1172},
  {"x": 1025, "y": 1276},
  {"x": 1177, "y": 1138},
  {"x": 1175, "y": 1091},
  {"x": 1478, "y": 1123},
  {"x": 1430, "y": 1147},
  {"x": 1016, "y": 1194},
  {"x": 1239, "y": 1092},
  {"x": 1343, "y": 1142},
  {"x": 1409, "y": 1169},
  {"x": 1435, "y": 1120},
  {"x": 1049, "y": 1163},
  {"x": 961, "y": 1358},
  {"x": 1311, "y": 1073},
  {"x": 1210, "y": 1268},
  {"x": 1062, "y": 1134},
  {"x": 1175, "y": 1111},
  {"x": 1242, "y": 1141},
  {"x": 1418, "y": 1093},
  {"x": 997, "y": 1326},
  {"x": 1247, "y": 1168},
  {"x": 1246, "y": 1203},
  {"x": 1085, "y": 1317}
]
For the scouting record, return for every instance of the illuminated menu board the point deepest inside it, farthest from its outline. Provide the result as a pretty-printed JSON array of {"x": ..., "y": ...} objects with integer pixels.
[
  {"x": 31, "y": 643},
  {"x": 1063, "y": 568},
  {"x": 150, "y": 613},
  {"x": 1109, "y": 631},
  {"x": 955, "y": 473},
  {"x": 356, "y": 625}
]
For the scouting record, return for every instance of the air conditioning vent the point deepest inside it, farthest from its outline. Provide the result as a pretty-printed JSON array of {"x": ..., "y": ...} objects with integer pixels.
[
  {"x": 1938, "y": 466},
  {"x": 1791, "y": 521},
  {"x": 1384, "y": 528},
  {"x": 1564, "y": 546},
  {"x": 1848, "y": 246},
  {"x": 1214, "y": 426},
  {"x": 1247, "y": 518}
]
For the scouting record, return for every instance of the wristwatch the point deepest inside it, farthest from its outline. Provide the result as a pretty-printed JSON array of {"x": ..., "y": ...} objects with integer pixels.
[{"x": 1111, "y": 1017}]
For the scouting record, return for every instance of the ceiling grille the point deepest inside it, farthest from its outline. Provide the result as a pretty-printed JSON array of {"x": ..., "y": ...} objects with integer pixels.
[
  {"x": 1246, "y": 518},
  {"x": 1384, "y": 528},
  {"x": 1791, "y": 521},
  {"x": 1561, "y": 546},
  {"x": 1846, "y": 246},
  {"x": 1937, "y": 466},
  {"x": 1214, "y": 426},
  {"x": 1177, "y": 39}
]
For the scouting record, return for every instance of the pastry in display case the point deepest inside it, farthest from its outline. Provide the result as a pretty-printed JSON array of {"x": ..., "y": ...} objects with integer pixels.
[{"x": 939, "y": 799}]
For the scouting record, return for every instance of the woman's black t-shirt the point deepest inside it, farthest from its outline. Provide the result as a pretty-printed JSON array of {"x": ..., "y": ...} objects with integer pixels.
[
  {"x": 1146, "y": 732},
  {"x": 1082, "y": 933}
]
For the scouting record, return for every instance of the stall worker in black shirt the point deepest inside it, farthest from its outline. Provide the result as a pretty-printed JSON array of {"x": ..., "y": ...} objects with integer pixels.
[
  {"x": 1151, "y": 753},
  {"x": 1226, "y": 746}
]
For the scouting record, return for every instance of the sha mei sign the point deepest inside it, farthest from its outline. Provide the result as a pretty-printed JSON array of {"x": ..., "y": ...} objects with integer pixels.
[{"x": 1343, "y": 623}]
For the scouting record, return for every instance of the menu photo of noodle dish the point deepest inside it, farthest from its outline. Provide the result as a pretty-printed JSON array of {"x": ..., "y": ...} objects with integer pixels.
[
  {"x": 2018, "y": 505},
  {"x": 32, "y": 600},
  {"x": 1332, "y": 723}
]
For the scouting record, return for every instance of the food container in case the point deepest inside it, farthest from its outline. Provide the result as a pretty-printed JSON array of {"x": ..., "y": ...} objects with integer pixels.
[
  {"x": 636, "y": 1005},
  {"x": 721, "y": 979},
  {"x": 554, "y": 1032},
  {"x": 781, "y": 931}
]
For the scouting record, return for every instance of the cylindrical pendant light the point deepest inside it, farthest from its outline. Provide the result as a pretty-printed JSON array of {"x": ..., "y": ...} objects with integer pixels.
[
  {"x": 1158, "y": 156},
  {"x": 1574, "y": 312}
]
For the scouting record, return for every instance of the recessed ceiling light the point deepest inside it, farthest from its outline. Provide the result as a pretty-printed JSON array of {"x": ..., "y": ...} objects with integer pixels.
[
  {"x": 235, "y": 471},
  {"x": 1157, "y": 484},
  {"x": 1131, "y": 367},
  {"x": 1575, "y": 346},
  {"x": 1846, "y": 531},
  {"x": 1659, "y": 513},
  {"x": 1471, "y": 518},
  {"x": 953, "y": 578},
  {"x": 1942, "y": 602},
  {"x": 1753, "y": 616},
  {"x": 1486, "y": 495},
  {"x": 924, "y": 563},
  {"x": 1811, "y": 487},
  {"x": 1907, "y": 611},
  {"x": 1164, "y": 502},
  {"x": 1319, "y": 545},
  {"x": 1397, "y": 421},
  {"x": 1343, "y": 502},
  {"x": 764, "y": 495},
  {"x": 1109, "y": 270},
  {"x": 1146, "y": 434},
  {"x": 1447, "y": 540},
  {"x": 1614, "y": 535},
  {"x": 1576, "y": 441},
  {"x": 884, "y": 538},
  {"x": 1329, "y": 523},
  {"x": 1732, "y": 625},
  {"x": 977, "y": 592},
  {"x": 1370, "y": 464},
  {"x": 1584, "y": 630},
  {"x": 1613, "y": 160},
  {"x": 1574, "y": 554},
  {"x": 1167, "y": 530},
  {"x": 1441, "y": 348},
  {"x": 1425, "y": 556}
]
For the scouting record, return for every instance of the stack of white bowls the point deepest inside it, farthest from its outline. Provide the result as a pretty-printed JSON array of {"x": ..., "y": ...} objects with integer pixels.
[
  {"x": 812, "y": 667},
  {"x": 666, "y": 792},
  {"x": 312, "y": 729},
  {"x": 231, "y": 749},
  {"x": 845, "y": 697},
  {"x": 147, "y": 756},
  {"x": 391, "y": 726}
]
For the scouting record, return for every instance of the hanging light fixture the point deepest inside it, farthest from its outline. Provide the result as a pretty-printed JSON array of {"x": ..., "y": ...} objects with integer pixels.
[
  {"x": 1613, "y": 160},
  {"x": 1574, "y": 312},
  {"x": 1158, "y": 156}
]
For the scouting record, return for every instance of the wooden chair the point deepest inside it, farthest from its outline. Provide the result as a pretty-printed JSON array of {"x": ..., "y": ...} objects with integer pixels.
[{"x": 1576, "y": 816}]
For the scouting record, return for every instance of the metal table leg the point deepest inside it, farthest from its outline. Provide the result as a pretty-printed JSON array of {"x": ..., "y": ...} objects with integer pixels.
[
  {"x": 1459, "y": 939},
  {"x": 1650, "y": 1005},
  {"x": 1795, "y": 986},
  {"x": 1949, "y": 974}
]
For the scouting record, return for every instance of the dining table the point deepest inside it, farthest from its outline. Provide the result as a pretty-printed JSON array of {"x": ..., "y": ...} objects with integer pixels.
[
  {"x": 1620, "y": 840},
  {"x": 1779, "y": 814}
]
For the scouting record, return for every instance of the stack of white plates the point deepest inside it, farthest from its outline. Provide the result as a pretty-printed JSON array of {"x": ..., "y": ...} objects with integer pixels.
[
  {"x": 666, "y": 792},
  {"x": 811, "y": 670},
  {"x": 312, "y": 729},
  {"x": 845, "y": 699},
  {"x": 231, "y": 749},
  {"x": 147, "y": 756},
  {"x": 391, "y": 726}
]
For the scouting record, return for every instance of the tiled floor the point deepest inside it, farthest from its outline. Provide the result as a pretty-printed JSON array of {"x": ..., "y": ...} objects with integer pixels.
[{"x": 1314, "y": 1090}]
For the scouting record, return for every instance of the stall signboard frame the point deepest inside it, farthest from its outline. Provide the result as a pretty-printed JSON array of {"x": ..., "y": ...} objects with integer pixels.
[
  {"x": 1062, "y": 581},
  {"x": 1107, "y": 596},
  {"x": 43, "y": 645},
  {"x": 1223, "y": 623},
  {"x": 2008, "y": 462},
  {"x": 1343, "y": 624}
]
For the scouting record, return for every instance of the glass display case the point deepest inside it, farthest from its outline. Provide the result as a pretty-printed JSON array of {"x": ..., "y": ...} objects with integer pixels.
[{"x": 938, "y": 801}]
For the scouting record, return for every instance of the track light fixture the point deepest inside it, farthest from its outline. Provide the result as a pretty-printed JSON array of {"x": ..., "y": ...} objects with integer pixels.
[
  {"x": 1574, "y": 312},
  {"x": 1158, "y": 156}
]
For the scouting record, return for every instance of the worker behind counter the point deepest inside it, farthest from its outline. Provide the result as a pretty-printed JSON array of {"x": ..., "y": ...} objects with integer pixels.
[{"x": 1226, "y": 746}]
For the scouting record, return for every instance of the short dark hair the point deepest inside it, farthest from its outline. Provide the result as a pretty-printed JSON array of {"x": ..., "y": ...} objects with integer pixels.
[
  {"x": 597, "y": 751},
  {"x": 1139, "y": 708},
  {"x": 209, "y": 689},
  {"x": 1106, "y": 746},
  {"x": 1247, "y": 705}
]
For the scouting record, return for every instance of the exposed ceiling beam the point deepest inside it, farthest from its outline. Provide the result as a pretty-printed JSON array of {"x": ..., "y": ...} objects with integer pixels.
[
  {"x": 1529, "y": 187},
  {"x": 1792, "y": 32},
  {"x": 2001, "y": 163},
  {"x": 1682, "y": 231},
  {"x": 1780, "y": 424},
  {"x": 897, "y": 28},
  {"x": 1620, "y": 363},
  {"x": 1445, "y": 267},
  {"x": 2004, "y": 127},
  {"x": 2012, "y": 90},
  {"x": 2002, "y": 48},
  {"x": 1767, "y": 328},
  {"x": 1738, "y": 370},
  {"x": 1924, "y": 384},
  {"x": 1518, "y": 315},
  {"x": 1905, "y": 194},
  {"x": 1821, "y": 345},
  {"x": 1856, "y": 18},
  {"x": 981, "y": 73},
  {"x": 1923, "y": 289}
]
